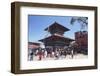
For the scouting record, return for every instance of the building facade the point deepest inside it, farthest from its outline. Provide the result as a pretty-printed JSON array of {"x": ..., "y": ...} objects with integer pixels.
[{"x": 81, "y": 38}]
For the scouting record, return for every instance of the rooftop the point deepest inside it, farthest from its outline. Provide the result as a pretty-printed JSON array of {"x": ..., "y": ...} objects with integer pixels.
[
  {"x": 57, "y": 38},
  {"x": 56, "y": 25},
  {"x": 33, "y": 43}
]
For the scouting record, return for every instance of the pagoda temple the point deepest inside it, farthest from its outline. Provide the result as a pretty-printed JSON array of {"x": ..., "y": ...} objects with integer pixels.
[{"x": 57, "y": 38}]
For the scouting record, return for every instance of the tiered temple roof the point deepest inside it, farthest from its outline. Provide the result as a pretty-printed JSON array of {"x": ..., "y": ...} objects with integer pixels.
[{"x": 57, "y": 38}]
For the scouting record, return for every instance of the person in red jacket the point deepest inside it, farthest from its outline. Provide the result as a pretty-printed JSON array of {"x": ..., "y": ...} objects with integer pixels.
[{"x": 40, "y": 54}]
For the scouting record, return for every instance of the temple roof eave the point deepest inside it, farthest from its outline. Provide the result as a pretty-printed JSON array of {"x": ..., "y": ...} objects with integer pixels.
[{"x": 51, "y": 38}]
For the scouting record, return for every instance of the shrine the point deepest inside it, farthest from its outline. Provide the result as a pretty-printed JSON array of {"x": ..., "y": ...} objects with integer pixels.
[{"x": 56, "y": 38}]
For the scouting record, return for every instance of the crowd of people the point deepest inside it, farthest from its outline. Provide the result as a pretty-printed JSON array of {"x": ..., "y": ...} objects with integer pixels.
[{"x": 55, "y": 53}]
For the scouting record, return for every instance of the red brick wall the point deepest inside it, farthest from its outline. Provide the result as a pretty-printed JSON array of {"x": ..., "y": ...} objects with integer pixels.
[{"x": 81, "y": 38}]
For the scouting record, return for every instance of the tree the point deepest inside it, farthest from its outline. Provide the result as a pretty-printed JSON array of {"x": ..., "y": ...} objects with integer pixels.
[{"x": 82, "y": 20}]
